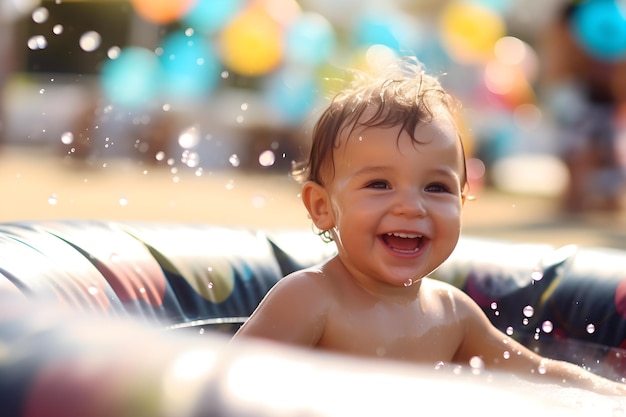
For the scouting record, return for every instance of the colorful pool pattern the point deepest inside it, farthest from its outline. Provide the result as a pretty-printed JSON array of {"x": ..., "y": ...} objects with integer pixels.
[{"x": 178, "y": 275}]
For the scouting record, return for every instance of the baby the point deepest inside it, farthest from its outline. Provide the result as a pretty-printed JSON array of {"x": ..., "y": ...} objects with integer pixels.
[{"x": 386, "y": 181}]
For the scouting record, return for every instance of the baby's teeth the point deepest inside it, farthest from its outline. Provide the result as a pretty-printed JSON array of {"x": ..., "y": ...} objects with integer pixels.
[{"x": 404, "y": 235}]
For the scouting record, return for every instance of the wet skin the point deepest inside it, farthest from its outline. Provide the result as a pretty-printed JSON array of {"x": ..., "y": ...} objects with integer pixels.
[{"x": 393, "y": 208}]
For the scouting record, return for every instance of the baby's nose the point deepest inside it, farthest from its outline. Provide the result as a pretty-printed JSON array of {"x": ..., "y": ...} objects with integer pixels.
[{"x": 410, "y": 203}]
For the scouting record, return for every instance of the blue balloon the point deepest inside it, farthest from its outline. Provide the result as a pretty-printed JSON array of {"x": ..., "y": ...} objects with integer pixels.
[
  {"x": 293, "y": 94},
  {"x": 132, "y": 79},
  {"x": 599, "y": 26},
  {"x": 209, "y": 16},
  {"x": 310, "y": 40},
  {"x": 393, "y": 30},
  {"x": 190, "y": 66}
]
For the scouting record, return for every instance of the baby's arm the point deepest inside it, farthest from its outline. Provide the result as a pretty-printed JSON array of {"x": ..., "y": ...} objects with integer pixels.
[
  {"x": 293, "y": 311},
  {"x": 501, "y": 353}
]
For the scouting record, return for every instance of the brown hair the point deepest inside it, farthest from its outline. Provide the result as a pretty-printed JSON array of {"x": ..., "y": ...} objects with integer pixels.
[{"x": 401, "y": 94}]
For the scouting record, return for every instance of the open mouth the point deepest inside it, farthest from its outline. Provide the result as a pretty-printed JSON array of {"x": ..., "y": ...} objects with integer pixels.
[{"x": 403, "y": 242}]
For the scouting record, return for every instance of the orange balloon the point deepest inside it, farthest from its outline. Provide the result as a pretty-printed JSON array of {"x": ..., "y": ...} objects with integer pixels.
[
  {"x": 162, "y": 11},
  {"x": 252, "y": 44}
]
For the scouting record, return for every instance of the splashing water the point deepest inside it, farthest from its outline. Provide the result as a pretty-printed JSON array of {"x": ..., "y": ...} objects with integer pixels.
[
  {"x": 477, "y": 364},
  {"x": 37, "y": 42},
  {"x": 40, "y": 15},
  {"x": 536, "y": 275},
  {"x": 67, "y": 138},
  {"x": 528, "y": 311},
  {"x": 510, "y": 330},
  {"x": 591, "y": 328},
  {"x": 189, "y": 138},
  {"x": 234, "y": 160},
  {"x": 547, "y": 326},
  {"x": 90, "y": 41},
  {"x": 267, "y": 158}
]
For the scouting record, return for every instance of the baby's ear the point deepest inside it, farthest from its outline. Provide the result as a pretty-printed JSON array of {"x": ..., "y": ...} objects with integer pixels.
[{"x": 317, "y": 203}]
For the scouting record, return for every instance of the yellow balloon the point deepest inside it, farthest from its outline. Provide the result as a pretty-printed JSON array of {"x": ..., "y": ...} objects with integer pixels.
[
  {"x": 470, "y": 31},
  {"x": 252, "y": 44}
]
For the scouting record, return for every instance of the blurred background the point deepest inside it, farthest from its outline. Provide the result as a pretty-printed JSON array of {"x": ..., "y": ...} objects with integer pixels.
[{"x": 195, "y": 110}]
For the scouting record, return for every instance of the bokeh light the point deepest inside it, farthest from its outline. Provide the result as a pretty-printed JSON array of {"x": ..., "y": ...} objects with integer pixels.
[
  {"x": 470, "y": 31},
  {"x": 310, "y": 40},
  {"x": 190, "y": 65},
  {"x": 293, "y": 94},
  {"x": 162, "y": 11},
  {"x": 132, "y": 79},
  {"x": 252, "y": 44},
  {"x": 600, "y": 28},
  {"x": 395, "y": 30},
  {"x": 210, "y": 16}
]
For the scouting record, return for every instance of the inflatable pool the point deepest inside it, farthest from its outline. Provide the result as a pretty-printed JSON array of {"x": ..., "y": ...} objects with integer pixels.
[{"x": 105, "y": 318}]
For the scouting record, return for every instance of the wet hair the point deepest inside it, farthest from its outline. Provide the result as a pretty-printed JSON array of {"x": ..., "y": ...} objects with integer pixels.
[{"x": 398, "y": 94}]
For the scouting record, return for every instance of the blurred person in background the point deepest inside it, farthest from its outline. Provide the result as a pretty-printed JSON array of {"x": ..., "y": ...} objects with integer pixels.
[{"x": 584, "y": 90}]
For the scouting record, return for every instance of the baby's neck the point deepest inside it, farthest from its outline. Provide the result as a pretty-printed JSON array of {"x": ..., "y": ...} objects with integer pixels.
[{"x": 406, "y": 293}]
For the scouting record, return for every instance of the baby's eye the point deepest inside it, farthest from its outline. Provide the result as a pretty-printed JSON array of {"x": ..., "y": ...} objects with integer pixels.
[
  {"x": 437, "y": 188},
  {"x": 378, "y": 184}
]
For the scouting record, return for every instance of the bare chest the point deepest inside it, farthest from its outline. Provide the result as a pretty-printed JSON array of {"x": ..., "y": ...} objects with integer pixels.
[{"x": 395, "y": 332}]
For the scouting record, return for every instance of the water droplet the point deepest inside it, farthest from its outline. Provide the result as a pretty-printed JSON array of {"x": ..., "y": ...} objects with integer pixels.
[
  {"x": 239, "y": 119},
  {"x": 537, "y": 275},
  {"x": 509, "y": 330},
  {"x": 244, "y": 106},
  {"x": 93, "y": 290},
  {"x": 123, "y": 201},
  {"x": 494, "y": 305},
  {"x": 506, "y": 354},
  {"x": 40, "y": 15},
  {"x": 198, "y": 172},
  {"x": 542, "y": 368},
  {"x": 525, "y": 321},
  {"x": 230, "y": 185},
  {"x": 591, "y": 328},
  {"x": 234, "y": 160},
  {"x": 224, "y": 74},
  {"x": 37, "y": 42},
  {"x": 201, "y": 331},
  {"x": 267, "y": 158},
  {"x": 408, "y": 282},
  {"x": 114, "y": 52},
  {"x": 547, "y": 326},
  {"x": 160, "y": 156},
  {"x": 528, "y": 311},
  {"x": 191, "y": 159},
  {"x": 439, "y": 365},
  {"x": 210, "y": 285},
  {"x": 57, "y": 29},
  {"x": 67, "y": 138},
  {"x": 90, "y": 41},
  {"x": 53, "y": 200},
  {"x": 189, "y": 138},
  {"x": 477, "y": 364}
]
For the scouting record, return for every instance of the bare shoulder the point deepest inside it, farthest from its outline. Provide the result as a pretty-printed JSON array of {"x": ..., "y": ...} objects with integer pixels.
[
  {"x": 446, "y": 291},
  {"x": 294, "y": 311}
]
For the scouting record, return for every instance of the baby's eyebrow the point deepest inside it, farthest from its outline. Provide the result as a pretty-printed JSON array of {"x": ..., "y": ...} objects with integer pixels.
[{"x": 373, "y": 170}]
